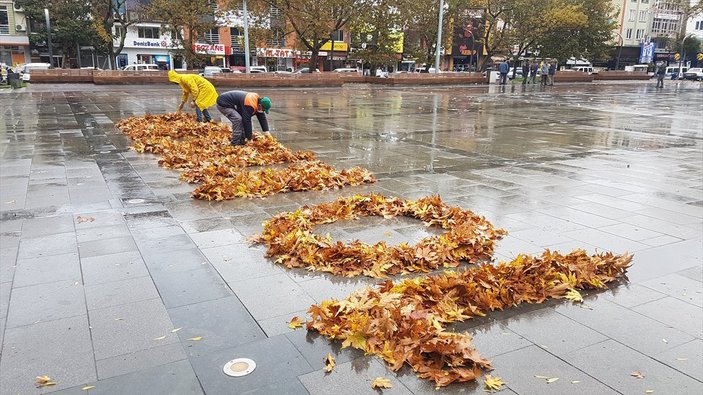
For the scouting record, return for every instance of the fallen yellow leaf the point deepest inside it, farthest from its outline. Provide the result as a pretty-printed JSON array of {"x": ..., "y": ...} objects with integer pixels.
[
  {"x": 160, "y": 337},
  {"x": 295, "y": 322},
  {"x": 381, "y": 382},
  {"x": 87, "y": 387},
  {"x": 637, "y": 374},
  {"x": 574, "y": 296},
  {"x": 329, "y": 363},
  {"x": 575, "y": 382},
  {"x": 196, "y": 338},
  {"x": 176, "y": 330},
  {"x": 493, "y": 383},
  {"x": 551, "y": 380},
  {"x": 44, "y": 381},
  {"x": 648, "y": 391}
]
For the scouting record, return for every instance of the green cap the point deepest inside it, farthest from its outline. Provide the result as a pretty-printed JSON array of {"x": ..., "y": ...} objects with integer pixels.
[{"x": 265, "y": 104}]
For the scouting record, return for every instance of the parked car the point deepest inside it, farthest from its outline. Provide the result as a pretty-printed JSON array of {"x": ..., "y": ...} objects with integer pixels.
[
  {"x": 673, "y": 71},
  {"x": 518, "y": 72},
  {"x": 258, "y": 69},
  {"x": 141, "y": 67},
  {"x": 346, "y": 70},
  {"x": 26, "y": 70},
  {"x": 695, "y": 74},
  {"x": 306, "y": 70},
  {"x": 211, "y": 71}
]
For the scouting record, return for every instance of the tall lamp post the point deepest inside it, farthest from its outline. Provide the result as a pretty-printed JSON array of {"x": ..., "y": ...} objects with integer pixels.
[
  {"x": 48, "y": 35},
  {"x": 246, "y": 36},
  {"x": 622, "y": 42},
  {"x": 683, "y": 54},
  {"x": 439, "y": 37}
]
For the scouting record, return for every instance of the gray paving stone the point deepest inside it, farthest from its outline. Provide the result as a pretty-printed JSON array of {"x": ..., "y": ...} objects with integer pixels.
[
  {"x": 315, "y": 347},
  {"x": 519, "y": 368},
  {"x": 686, "y": 358},
  {"x": 180, "y": 288},
  {"x": 173, "y": 261},
  {"x": 8, "y": 263},
  {"x": 322, "y": 286},
  {"x": 56, "y": 244},
  {"x": 271, "y": 296},
  {"x": 222, "y": 323},
  {"x": 631, "y": 295},
  {"x": 120, "y": 292},
  {"x": 102, "y": 269},
  {"x": 60, "y": 349},
  {"x": 217, "y": 238},
  {"x": 173, "y": 378},
  {"x": 139, "y": 360},
  {"x": 47, "y": 269},
  {"x": 680, "y": 287},
  {"x": 239, "y": 262},
  {"x": 678, "y": 256},
  {"x": 675, "y": 313},
  {"x": 4, "y": 299},
  {"x": 351, "y": 377},
  {"x": 626, "y": 326},
  {"x": 46, "y": 226},
  {"x": 694, "y": 273},
  {"x": 606, "y": 241},
  {"x": 617, "y": 362},
  {"x": 275, "y": 357},
  {"x": 278, "y": 325},
  {"x": 114, "y": 245},
  {"x": 45, "y": 302},
  {"x": 130, "y": 328},
  {"x": 102, "y": 232}
]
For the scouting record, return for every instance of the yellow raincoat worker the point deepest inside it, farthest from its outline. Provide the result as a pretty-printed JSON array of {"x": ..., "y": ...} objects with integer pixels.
[{"x": 201, "y": 91}]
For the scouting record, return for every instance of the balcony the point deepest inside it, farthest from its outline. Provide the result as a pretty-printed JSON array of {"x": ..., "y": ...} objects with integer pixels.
[{"x": 4, "y": 29}]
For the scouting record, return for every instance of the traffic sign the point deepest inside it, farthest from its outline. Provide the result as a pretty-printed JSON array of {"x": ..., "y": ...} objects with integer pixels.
[
  {"x": 699, "y": 56},
  {"x": 677, "y": 56}
]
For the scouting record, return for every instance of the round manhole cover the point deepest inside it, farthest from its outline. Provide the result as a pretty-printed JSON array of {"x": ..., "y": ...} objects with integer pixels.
[{"x": 239, "y": 367}]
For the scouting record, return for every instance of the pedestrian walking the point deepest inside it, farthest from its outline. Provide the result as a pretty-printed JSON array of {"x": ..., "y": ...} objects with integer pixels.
[
  {"x": 525, "y": 72},
  {"x": 534, "y": 67},
  {"x": 551, "y": 72},
  {"x": 239, "y": 107},
  {"x": 544, "y": 73},
  {"x": 503, "y": 69},
  {"x": 661, "y": 73},
  {"x": 202, "y": 92}
]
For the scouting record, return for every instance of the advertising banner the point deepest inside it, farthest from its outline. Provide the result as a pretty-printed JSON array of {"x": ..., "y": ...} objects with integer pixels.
[{"x": 647, "y": 52}]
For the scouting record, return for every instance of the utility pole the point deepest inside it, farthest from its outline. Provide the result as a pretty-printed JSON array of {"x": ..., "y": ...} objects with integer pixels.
[
  {"x": 48, "y": 35},
  {"x": 246, "y": 36},
  {"x": 439, "y": 37}
]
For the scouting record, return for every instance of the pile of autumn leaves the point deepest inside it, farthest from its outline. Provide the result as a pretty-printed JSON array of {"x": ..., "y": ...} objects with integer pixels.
[
  {"x": 403, "y": 322},
  {"x": 203, "y": 151}
]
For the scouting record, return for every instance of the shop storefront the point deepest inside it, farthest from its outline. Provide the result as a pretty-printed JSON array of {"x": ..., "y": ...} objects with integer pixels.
[
  {"x": 216, "y": 53},
  {"x": 148, "y": 51},
  {"x": 14, "y": 50},
  {"x": 278, "y": 58}
]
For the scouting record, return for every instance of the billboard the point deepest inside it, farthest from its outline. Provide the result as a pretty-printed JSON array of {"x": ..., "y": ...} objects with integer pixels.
[{"x": 647, "y": 52}]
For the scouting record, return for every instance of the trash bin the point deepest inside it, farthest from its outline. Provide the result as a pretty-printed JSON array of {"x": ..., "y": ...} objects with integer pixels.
[{"x": 14, "y": 80}]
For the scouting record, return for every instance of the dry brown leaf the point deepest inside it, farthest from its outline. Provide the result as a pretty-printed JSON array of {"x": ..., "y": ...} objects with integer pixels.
[
  {"x": 637, "y": 374},
  {"x": 87, "y": 388},
  {"x": 195, "y": 339},
  {"x": 381, "y": 382},
  {"x": 329, "y": 363},
  {"x": 295, "y": 322},
  {"x": 82, "y": 219},
  {"x": 493, "y": 383},
  {"x": 44, "y": 381}
]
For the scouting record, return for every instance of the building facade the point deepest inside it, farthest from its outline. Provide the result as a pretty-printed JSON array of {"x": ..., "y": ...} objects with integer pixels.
[
  {"x": 14, "y": 42},
  {"x": 148, "y": 43}
]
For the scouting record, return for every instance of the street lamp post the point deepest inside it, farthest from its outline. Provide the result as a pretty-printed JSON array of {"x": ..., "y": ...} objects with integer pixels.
[
  {"x": 439, "y": 37},
  {"x": 246, "y": 37},
  {"x": 622, "y": 42},
  {"x": 48, "y": 35}
]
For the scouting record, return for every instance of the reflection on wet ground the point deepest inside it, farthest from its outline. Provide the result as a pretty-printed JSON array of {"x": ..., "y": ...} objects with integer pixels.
[{"x": 104, "y": 254}]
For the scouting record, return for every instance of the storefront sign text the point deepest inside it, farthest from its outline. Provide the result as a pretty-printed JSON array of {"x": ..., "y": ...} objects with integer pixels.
[{"x": 209, "y": 49}]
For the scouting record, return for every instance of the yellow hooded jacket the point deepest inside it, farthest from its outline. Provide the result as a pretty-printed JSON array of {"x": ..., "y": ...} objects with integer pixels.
[{"x": 204, "y": 94}]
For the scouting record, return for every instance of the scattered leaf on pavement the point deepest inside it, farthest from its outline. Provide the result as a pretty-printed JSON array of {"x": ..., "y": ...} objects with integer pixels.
[
  {"x": 637, "y": 374},
  {"x": 196, "y": 338},
  {"x": 82, "y": 219},
  {"x": 295, "y": 322},
  {"x": 329, "y": 363},
  {"x": 574, "y": 296},
  {"x": 87, "y": 387},
  {"x": 551, "y": 380},
  {"x": 648, "y": 391},
  {"x": 381, "y": 382},
  {"x": 176, "y": 329},
  {"x": 44, "y": 381},
  {"x": 493, "y": 383},
  {"x": 575, "y": 382}
]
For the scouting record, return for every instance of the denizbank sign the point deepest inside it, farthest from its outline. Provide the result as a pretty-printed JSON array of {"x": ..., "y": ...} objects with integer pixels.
[{"x": 141, "y": 43}]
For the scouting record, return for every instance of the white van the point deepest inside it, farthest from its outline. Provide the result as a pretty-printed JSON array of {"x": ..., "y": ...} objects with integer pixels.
[
  {"x": 141, "y": 67},
  {"x": 257, "y": 69},
  {"x": 26, "y": 70},
  {"x": 673, "y": 72}
]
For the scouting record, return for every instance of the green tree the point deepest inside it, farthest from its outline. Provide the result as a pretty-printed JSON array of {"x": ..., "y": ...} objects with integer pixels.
[
  {"x": 111, "y": 19},
  {"x": 315, "y": 21},
  {"x": 378, "y": 30},
  {"x": 71, "y": 25},
  {"x": 186, "y": 20}
]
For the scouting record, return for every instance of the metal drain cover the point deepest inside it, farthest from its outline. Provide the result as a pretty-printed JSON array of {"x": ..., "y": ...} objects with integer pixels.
[{"x": 239, "y": 367}]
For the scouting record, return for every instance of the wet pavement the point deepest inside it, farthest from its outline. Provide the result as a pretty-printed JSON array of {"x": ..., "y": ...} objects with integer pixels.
[{"x": 104, "y": 254}]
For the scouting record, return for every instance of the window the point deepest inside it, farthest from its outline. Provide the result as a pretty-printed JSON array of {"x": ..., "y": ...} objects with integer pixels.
[
  {"x": 236, "y": 37},
  {"x": 640, "y": 34},
  {"x": 643, "y": 16},
  {"x": 118, "y": 31},
  {"x": 4, "y": 20},
  {"x": 633, "y": 15},
  {"x": 645, "y": 1},
  {"x": 277, "y": 38},
  {"x": 212, "y": 36},
  {"x": 699, "y": 25},
  {"x": 148, "y": 32},
  {"x": 628, "y": 34},
  {"x": 338, "y": 35}
]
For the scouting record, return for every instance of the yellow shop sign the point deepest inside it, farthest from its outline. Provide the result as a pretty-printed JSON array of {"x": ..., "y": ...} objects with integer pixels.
[{"x": 338, "y": 46}]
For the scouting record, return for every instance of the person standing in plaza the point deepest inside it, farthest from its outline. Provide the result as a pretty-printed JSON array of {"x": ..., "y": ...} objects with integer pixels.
[
  {"x": 544, "y": 73},
  {"x": 525, "y": 72},
  {"x": 201, "y": 91},
  {"x": 552, "y": 72},
  {"x": 661, "y": 73},
  {"x": 534, "y": 67},
  {"x": 239, "y": 107},
  {"x": 503, "y": 69}
]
